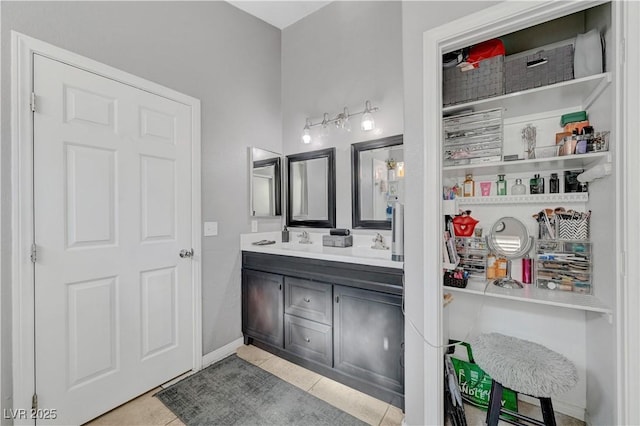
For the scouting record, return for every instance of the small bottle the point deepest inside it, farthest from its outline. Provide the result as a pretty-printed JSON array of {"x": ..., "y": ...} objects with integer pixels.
[
  {"x": 526, "y": 269},
  {"x": 491, "y": 266},
  {"x": 501, "y": 185},
  {"x": 501, "y": 267},
  {"x": 285, "y": 235},
  {"x": 533, "y": 185},
  {"x": 469, "y": 187},
  {"x": 536, "y": 185},
  {"x": 554, "y": 184},
  {"x": 518, "y": 188}
]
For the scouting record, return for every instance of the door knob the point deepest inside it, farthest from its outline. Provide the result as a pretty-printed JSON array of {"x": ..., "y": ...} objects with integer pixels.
[{"x": 186, "y": 253}]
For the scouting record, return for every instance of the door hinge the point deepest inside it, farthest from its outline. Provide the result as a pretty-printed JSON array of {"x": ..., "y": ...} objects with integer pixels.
[
  {"x": 32, "y": 103},
  {"x": 34, "y": 402},
  {"x": 34, "y": 253},
  {"x": 337, "y": 299},
  {"x": 623, "y": 51}
]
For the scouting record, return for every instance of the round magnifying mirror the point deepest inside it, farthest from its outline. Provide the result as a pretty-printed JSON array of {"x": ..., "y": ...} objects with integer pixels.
[{"x": 509, "y": 237}]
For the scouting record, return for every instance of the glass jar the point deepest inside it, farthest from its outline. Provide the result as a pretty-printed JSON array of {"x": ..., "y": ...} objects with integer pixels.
[{"x": 518, "y": 188}]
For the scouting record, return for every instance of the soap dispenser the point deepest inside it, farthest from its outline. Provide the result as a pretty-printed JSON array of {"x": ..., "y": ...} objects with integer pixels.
[{"x": 285, "y": 235}]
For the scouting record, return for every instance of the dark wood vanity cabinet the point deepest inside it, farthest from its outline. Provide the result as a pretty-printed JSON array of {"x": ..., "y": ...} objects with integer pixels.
[
  {"x": 341, "y": 320},
  {"x": 263, "y": 307}
]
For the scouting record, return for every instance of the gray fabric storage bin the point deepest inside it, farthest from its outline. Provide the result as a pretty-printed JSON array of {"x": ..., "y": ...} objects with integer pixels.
[
  {"x": 483, "y": 82},
  {"x": 537, "y": 68}
]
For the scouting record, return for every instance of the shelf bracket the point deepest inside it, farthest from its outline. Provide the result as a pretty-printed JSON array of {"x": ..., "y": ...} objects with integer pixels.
[{"x": 589, "y": 100}]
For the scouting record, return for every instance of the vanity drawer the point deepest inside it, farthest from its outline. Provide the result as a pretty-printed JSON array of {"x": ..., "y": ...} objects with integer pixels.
[
  {"x": 309, "y": 339},
  {"x": 308, "y": 299}
]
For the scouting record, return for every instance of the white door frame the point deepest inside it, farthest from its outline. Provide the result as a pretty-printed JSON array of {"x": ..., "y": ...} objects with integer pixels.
[
  {"x": 504, "y": 18},
  {"x": 22, "y": 49}
]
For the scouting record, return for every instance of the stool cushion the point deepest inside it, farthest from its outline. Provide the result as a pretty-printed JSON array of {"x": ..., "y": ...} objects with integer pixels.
[{"x": 524, "y": 366}]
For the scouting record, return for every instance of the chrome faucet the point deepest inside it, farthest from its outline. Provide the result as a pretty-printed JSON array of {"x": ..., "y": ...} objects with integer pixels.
[{"x": 304, "y": 238}]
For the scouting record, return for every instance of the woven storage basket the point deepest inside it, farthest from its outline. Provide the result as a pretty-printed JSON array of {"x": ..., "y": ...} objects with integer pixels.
[
  {"x": 538, "y": 67},
  {"x": 572, "y": 229},
  {"x": 483, "y": 82}
]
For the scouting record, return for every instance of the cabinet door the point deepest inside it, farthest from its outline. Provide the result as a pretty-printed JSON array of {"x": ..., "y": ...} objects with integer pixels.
[
  {"x": 263, "y": 306},
  {"x": 368, "y": 337}
]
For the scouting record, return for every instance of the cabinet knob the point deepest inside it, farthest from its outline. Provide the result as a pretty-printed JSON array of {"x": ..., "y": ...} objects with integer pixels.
[
  {"x": 306, "y": 299},
  {"x": 306, "y": 339}
]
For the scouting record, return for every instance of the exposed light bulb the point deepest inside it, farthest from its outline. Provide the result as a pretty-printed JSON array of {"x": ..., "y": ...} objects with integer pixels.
[
  {"x": 306, "y": 136},
  {"x": 306, "y": 133},
  {"x": 346, "y": 124},
  {"x": 367, "y": 123},
  {"x": 325, "y": 126}
]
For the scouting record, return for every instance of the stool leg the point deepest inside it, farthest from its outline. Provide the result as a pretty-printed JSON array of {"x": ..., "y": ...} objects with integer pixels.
[
  {"x": 495, "y": 403},
  {"x": 548, "y": 417}
]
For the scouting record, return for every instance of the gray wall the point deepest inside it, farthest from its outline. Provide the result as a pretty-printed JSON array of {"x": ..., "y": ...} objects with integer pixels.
[
  {"x": 418, "y": 17},
  {"x": 342, "y": 55},
  {"x": 210, "y": 50}
]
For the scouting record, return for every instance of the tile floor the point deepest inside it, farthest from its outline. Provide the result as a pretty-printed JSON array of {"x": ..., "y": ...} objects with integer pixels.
[{"x": 149, "y": 411}]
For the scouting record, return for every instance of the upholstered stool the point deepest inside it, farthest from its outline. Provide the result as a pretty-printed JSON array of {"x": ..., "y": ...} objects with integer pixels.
[{"x": 523, "y": 367}]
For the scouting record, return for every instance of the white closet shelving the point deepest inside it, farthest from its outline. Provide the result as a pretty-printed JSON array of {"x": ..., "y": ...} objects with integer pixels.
[{"x": 580, "y": 92}]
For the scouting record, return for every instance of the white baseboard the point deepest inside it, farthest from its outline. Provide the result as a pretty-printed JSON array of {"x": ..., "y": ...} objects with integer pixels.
[
  {"x": 220, "y": 353},
  {"x": 558, "y": 407}
]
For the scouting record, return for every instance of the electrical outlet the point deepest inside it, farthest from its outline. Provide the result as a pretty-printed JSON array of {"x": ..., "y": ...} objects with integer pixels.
[{"x": 254, "y": 226}]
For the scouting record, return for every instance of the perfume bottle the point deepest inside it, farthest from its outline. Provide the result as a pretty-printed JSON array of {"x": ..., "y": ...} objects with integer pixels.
[
  {"x": 536, "y": 185},
  {"x": 518, "y": 188},
  {"x": 501, "y": 185},
  {"x": 469, "y": 187},
  {"x": 554, "y": 184},
  {"x": 526, "y": 269}
]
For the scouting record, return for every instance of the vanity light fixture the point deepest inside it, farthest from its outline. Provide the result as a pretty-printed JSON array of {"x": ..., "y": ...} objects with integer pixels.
[{"x": 341, "y": 121}]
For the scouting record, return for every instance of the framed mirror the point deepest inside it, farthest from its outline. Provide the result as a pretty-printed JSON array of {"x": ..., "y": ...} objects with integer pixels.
[
  {"x": 377, "y": 181},
  {"x": 311, "y": 189},
  {"x": 266, "y": 183}
]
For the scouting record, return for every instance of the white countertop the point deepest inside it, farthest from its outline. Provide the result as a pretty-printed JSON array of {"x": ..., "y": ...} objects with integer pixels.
[{"x": 361, "y": 251}]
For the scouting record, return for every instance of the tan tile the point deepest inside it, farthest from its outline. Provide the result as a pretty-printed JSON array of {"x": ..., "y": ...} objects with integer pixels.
[
  {"x": 290, "y": 372},
  {"x": 534, "y": 411},
  {"x": 145, "y": 410},
  {"x": 253, "y": 354},
  {"x": 356, "y": 403},
  {"x": 393, "y": 417}
]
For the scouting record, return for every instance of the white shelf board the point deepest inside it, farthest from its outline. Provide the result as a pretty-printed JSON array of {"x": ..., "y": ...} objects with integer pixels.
[
  {"x": 567, "y": 162},
  {"x": 571, "y": 93},
  {"x": 570, "y": 197},
  {"x": 531, "y": 294}
]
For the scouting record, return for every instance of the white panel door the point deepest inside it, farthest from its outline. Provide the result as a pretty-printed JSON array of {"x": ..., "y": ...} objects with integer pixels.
[{"x": 112, "y": 197}]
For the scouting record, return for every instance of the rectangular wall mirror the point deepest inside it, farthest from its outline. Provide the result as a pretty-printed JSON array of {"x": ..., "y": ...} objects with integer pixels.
[
  {"x": 377, "y": 181},
  {"x": 311, "y": 189},
  {"x": 266, "y": 183}
]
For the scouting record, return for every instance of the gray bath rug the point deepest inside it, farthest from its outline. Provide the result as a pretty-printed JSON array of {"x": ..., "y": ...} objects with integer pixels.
[{"x": 235, "y": 392}]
